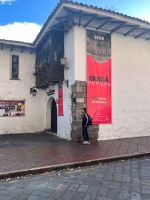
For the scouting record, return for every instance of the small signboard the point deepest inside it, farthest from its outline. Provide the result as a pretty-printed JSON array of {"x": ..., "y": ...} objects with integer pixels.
[{"x": 12, "y": 108}]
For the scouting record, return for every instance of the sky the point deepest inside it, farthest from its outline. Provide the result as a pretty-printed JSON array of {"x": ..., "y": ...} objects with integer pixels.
[{"x": 22, "y": 20}]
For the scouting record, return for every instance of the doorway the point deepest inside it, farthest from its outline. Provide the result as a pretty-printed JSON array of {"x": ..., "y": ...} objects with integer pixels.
[{"x": 54, "y": 116}]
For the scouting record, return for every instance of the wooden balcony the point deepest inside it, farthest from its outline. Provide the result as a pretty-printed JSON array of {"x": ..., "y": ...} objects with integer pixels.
[{"x": 47, "y": 74}]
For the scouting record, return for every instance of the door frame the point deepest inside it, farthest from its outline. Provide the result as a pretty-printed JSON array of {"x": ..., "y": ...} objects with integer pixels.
[{"x": 49, "y": 113}]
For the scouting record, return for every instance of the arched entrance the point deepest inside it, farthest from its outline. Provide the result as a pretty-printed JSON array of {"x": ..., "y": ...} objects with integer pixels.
[
  {"x": 51, "y": 115},
  {"x": 54, "y": 116}
]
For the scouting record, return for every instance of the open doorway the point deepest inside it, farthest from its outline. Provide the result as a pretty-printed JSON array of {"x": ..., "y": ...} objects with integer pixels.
[
  {"x": 54, "y": 116},
  {"x": 51, "y": 115}
]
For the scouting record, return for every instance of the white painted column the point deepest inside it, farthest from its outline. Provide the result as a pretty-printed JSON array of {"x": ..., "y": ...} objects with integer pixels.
[{"x": 80, "y": 53}]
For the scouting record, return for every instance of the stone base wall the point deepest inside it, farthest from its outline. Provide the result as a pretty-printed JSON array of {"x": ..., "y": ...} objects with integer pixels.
[{"x": 79, "y": 101}]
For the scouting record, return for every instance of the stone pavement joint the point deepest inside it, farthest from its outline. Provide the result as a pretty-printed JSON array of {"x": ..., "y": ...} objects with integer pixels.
[{"x": 24, "y": 154}]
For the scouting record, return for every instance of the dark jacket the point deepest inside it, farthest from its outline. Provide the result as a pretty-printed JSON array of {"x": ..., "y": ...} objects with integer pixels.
[{"x": 85, "y": 120}]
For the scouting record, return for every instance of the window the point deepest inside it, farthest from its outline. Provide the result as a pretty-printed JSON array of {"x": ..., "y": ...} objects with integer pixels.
[{"x": 15, "y": 67}]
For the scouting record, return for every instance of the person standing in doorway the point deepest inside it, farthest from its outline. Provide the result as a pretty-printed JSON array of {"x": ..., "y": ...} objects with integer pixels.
[{"x": 85, "y": 121}]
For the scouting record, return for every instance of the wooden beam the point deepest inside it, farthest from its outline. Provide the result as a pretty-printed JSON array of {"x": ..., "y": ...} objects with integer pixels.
[
  {"x": 63, "y": 26},
  {"x": 64, "y": 23},
  {"x": 68, "y": 12},
  {"x": 22, "y": 50},
  {"x": 51, "y": 27},
  {"x": 58, "y": 27},
  {"x": 80, "y": 17},
  {"x": 117, "y": 27},
  {"x": 131, "y": 30},
  {"x": 103, "y": 18},
  {"x": 143, "y": 33},
  {"x": 11, "y": 48},
  {"x": 2, "y": 47},
  {"x": 92, "y": 19},
  {"x": 105, "y": 22},
  {"x": 61, "y": 18}
]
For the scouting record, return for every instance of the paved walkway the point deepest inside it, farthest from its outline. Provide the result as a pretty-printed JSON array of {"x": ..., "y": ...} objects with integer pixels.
[
  {"x": 121, "y": 180},
  {"x": 34, "y": 153}
]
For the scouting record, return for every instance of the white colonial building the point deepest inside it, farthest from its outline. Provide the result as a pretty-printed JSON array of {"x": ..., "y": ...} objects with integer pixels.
[{"x": 44, "y": 85}]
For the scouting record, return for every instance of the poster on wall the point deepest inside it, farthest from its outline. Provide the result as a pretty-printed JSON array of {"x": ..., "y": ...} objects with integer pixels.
[
  {"x": 99, "y": 77},
  {"x": 60, "y": 100},
  {"x": 12, "y": 108}
]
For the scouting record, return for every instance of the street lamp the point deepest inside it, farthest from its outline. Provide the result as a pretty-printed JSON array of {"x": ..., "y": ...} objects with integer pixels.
[{"x": 33, "y": 91}]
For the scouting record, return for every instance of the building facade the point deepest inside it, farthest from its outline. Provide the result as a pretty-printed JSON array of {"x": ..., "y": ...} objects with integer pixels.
[{"x": 55, "y": 69}]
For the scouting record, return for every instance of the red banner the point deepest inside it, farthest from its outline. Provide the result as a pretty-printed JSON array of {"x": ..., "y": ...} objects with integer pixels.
[
  {"x": 99, "y": 91},
  {"x": 60, "y": 101},
  {"x": 99, "y": 77}
]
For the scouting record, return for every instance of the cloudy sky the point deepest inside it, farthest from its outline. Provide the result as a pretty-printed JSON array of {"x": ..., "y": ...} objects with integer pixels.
[{"x": 22, "y": 19}]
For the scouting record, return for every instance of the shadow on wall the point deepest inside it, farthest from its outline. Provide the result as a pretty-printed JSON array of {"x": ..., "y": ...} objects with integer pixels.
[{"x": 48, "y": 113}]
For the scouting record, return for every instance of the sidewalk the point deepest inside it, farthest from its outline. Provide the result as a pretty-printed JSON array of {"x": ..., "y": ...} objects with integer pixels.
[{"x": 35, "y": 153}]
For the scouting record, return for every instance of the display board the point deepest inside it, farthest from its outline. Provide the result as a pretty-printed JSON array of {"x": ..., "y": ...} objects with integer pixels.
[
  {"x": 12, "y": 108},
  {"x": 99, "y": 77}
]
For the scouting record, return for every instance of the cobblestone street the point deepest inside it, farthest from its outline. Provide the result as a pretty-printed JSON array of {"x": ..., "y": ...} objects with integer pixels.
[{"x": 111, "y": 181}]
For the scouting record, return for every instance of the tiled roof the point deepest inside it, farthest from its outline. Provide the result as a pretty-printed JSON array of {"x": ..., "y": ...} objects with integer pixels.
[
  {"x": 109, "y": 11},
  {"x": 16, "y": 43},
  {"x": 88, "y": 6}
]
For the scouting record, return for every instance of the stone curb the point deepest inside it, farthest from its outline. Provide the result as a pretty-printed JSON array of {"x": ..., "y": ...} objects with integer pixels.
[{"x": 40, "y": 170}]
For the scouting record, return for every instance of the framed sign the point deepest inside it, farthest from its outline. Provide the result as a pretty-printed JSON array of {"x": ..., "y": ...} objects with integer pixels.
[{"x": 12, "y": 108}]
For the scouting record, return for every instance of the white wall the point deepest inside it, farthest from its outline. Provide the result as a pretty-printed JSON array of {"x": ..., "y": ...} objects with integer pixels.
[
  {"x": 63, "y": 122},
  {"x": 130, "y": 84},
  {"x": 75, "y": 52},
  {"x": 37, "y": 116},
  {"x": 20, "y": 90},
  {"x": 80, "y": 53},
  {"x": 130, "y": 88},
  {"x": 69, "y": 51}
]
